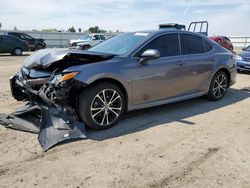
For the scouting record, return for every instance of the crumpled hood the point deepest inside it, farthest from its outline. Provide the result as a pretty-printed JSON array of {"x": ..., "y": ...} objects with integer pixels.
[{"x": 47, "y": 57}]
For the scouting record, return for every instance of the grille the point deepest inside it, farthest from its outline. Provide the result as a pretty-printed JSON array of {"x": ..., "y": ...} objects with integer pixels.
[{"x": 246, "y": 59}]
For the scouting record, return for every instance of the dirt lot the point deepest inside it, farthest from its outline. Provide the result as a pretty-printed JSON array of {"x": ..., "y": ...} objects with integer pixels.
[{"x": 195, "y": 143}]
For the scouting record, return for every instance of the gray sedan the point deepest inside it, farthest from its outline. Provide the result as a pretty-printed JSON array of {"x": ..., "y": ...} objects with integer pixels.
[{"x": 128, "y": 72}]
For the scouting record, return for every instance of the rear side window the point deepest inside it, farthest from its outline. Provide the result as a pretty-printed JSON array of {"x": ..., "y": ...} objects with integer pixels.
[
  {"x": 167, "y": 45},
  {"x": 8, "y": 39},
  {"x": 208, "y": 47},
  {"x": 191, "y": 44}
]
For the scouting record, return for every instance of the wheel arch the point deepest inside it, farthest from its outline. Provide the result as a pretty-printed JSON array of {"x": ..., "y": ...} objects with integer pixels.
[{"x": 115, "y": 82}]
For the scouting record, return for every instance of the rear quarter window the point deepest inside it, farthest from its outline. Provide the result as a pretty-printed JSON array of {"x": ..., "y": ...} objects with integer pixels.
[
  {"x": 9, "y": 39},
  {"x": 208, "y": 46}
]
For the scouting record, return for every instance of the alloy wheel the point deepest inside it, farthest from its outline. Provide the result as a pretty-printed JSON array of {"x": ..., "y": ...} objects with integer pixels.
[
  {"x": 106, "y": 107},
  {"x": 220, "y": 86},
  {"x": 18, "y": 51}
]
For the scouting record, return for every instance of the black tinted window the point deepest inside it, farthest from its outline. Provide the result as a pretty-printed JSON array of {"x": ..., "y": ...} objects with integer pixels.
[
  {"x": 167, "y": 45},
  {"x": 191, "y": 44},
  {"x": 97, "y": 37},
  {"x": 102, "y": 37},
  {"x": 208, "y": 47},
  {"x": 8, "y": 39},
  {"x": 15, "y": 34}
]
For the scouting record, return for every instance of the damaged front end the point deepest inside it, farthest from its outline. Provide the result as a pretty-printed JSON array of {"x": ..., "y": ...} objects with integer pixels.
[{"x": 51, "y": 95}]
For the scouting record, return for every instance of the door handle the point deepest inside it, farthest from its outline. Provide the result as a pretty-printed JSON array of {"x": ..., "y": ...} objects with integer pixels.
[{"x": 180, "y": 63}]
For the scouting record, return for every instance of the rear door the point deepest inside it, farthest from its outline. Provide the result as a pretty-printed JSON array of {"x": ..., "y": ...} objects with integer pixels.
[
  {"x": 198, "y": 64},
  {"x": 1, "y": 45},
  {"x": 8, "y": 43}
]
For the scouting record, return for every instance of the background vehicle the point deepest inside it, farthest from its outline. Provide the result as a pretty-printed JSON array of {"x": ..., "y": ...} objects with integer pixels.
[
  {"x": 13, "y": 45},
  {"x": 34, "y": 44},
  {"x": 223, "y": 41},
  {"x": 172, "y": 26},
  {"x": 127, "y": 72},
  {"x": 243, "y": 60},
  {"x": 196, "y": 27},
  {"x": 87, "y": 41}
]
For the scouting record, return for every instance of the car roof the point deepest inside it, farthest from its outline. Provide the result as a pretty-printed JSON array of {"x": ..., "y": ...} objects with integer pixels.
[
  {"x": 11, "y": 36},
  {"x": 162, "y": 31},
  {"x": 95, "y": 34}
]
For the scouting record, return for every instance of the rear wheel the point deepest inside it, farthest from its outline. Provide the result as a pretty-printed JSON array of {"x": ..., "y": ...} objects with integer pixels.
[
  {"x": 218, "y": 86},
  {"x": 17, "y": 51},
  {"x": 101, "y": 106}
]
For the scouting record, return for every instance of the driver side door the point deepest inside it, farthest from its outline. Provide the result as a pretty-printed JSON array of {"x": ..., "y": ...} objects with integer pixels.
[{"x": 159, "y": 78}]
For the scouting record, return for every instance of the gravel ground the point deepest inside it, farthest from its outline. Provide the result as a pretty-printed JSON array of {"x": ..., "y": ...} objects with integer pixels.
[{"x": 195, "y": 143}]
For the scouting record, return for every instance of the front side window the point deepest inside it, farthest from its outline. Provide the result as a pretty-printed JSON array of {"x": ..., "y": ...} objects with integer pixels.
[
  {"x": 85, "y": 37},
  {"x": 8, "y": 39},
  {"x": 167, "y": 45},
  {"x": 96, "y": 37},
  {"x": 192, "y": 44}
]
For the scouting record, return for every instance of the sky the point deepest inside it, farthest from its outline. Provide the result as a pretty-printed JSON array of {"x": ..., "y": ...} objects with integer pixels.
[{"x": 225, "y": 17}]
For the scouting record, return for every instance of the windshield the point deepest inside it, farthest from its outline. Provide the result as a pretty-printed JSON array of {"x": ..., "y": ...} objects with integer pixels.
[
  {"x": 248, "y": 48},
  {"x": 86, "y": 37},
  {"x": 121, "y": 44}
]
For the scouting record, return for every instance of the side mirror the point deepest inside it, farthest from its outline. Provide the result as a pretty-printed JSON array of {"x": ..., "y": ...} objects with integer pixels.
[
  {"x": 148, "y": 55},
  {"x": 244, "y": 49}
]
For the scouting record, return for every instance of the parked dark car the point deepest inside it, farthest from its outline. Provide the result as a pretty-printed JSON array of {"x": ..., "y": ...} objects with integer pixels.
[
  {"x": 223, "y": 41},
  {"x": 34, "y": 44},
  {"x": 13, "y": 45},
  {"x": 127, "y": 72},
  {"x": 243, "y": 60}
]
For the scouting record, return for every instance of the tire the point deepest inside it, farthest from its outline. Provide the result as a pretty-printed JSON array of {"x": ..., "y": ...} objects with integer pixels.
[
  {"x": 218, "y": 86},
  {"x": 39, "y": 47},
  {"x": 17, "y": 52},
  {"x": 97, "y": 112}
]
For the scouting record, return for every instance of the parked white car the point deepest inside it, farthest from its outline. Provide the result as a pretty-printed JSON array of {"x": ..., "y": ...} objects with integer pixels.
[{"x": 86, "y": 41}]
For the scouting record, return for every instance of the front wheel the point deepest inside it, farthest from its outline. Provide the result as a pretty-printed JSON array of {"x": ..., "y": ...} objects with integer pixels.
[
  {"x": 101, "y": 106},
  {"x": 218, "y": 86}
]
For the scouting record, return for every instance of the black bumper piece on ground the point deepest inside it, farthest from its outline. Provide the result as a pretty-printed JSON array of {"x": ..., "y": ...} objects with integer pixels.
[{"x": 52, "y": 124}]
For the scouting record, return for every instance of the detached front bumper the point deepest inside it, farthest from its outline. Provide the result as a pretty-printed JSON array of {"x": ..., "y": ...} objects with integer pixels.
[{"x": 47, "y": 113}]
